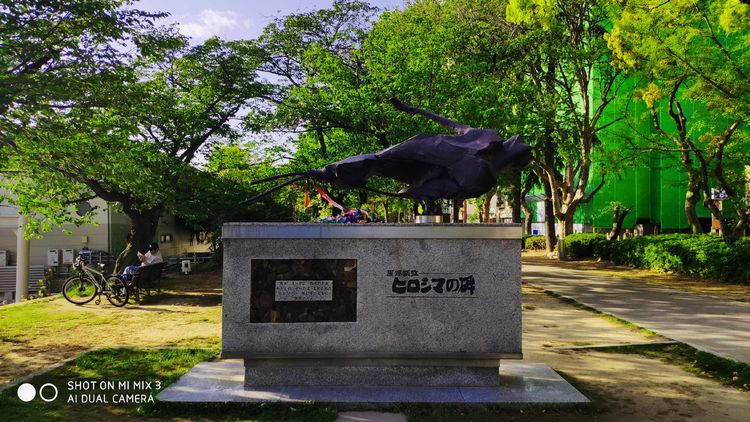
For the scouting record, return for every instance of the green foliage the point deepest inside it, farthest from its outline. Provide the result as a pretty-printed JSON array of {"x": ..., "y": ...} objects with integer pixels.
[
  {"x": 702, "y": 255},
  {"x": 583, "y": 245},
  {"x": 453, "y": 58},
  {"x": 533, "y": 242},
  {"x": 55, "y": 57},
  {"x": 449, "y": 57},
  {"x": 569, "y": 86},
  {"x": 703, "y": 41},
  {"x": 52, "y": 52}
]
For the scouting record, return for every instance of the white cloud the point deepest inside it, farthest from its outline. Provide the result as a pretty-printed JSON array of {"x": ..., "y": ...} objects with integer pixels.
[{"x": 214, "y": 22}]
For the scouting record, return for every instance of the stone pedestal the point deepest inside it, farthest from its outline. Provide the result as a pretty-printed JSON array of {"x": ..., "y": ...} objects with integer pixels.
[{"x": 380, "y": 305}]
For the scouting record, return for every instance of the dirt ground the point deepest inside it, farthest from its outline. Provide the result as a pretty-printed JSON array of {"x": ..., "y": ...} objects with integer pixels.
[{"x": 622, "y": 387}]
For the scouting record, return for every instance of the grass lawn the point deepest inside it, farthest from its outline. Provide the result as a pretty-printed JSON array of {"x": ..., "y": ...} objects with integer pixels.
[
  {"x": 22, "y": 323},
  {"x": 37, "y": 334}
]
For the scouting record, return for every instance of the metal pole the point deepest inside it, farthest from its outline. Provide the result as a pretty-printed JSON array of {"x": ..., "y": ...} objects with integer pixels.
[{"x": 23, "y": 247}]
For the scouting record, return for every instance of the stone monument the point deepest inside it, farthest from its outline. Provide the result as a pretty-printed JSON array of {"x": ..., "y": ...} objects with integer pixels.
[{"x": 385, "y": 305}]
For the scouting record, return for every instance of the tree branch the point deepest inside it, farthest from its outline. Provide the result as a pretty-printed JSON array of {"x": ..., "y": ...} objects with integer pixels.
[
  {"x": 457, "y": 128},
  {"x": 588, "y": 197}
]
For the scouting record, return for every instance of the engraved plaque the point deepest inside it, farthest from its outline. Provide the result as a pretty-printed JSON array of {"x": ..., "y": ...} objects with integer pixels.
[{"x": 303, "y": 290}]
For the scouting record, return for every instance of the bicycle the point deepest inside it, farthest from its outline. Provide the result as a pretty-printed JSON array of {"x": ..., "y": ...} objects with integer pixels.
[{"x": 83, "y": 287}]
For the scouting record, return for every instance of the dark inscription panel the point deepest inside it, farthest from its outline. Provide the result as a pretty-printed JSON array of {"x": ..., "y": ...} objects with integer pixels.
[{"x": 303, "y": 290}]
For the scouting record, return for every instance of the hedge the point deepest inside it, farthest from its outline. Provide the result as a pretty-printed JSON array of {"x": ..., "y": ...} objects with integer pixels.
[
  {"x": 533, "y": 242},
  {"x": 582, "y": 245},
  {"x": 703, "y": 255}
]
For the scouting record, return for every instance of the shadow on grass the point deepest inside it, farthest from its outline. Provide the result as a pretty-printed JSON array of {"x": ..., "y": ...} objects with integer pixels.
[
  {"x": 170, "y": 298},
  {"x": 726, "y": 371}
]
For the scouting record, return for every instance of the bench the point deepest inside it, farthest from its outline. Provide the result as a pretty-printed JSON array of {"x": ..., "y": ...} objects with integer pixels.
[
  {"x": 8, "y": 280},
  {"x": 147, "y": 277}
]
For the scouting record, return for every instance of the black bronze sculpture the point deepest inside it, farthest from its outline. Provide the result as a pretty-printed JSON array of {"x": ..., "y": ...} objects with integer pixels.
[{"x": 460, "y": 166}]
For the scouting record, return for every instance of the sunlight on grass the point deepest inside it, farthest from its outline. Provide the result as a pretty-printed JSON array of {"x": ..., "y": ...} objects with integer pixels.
[{"x": 32, "y": 319}]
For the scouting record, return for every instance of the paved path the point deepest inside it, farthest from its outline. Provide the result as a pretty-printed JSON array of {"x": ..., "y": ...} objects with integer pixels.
[{"x": 719, "y": 326}]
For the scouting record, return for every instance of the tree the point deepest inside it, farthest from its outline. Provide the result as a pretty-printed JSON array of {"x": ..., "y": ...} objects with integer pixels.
[
  {"x": 138, "y": 147},
  {"x": 52, "y": 52},
  {"x": 695, "y": 51},
  {"x": 618, "y": 217},
  {"x": 53, "y": 55},
  {"x": 454, "y": 58},
  {"x": 322, "y": 92},
  {"x": 314, "y": 58},
  {"x": 574, "y": 73}
]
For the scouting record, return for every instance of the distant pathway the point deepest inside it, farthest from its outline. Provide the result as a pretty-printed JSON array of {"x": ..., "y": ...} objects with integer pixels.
[{"x": 719, "y": 326}]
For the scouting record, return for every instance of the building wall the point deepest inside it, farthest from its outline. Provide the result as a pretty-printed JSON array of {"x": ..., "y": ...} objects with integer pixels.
[
  {"x": 183, "y": 240},
  {"x": 108, "y": 233},
  {"x": 95, "y": 236}
]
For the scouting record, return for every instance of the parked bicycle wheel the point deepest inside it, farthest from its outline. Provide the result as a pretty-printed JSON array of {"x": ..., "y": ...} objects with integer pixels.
[
  {"x": 117, "y": 292},
  {"x": 79, "y": 289}
]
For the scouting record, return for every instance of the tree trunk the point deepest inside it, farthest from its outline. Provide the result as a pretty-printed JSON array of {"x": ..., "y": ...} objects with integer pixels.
[
  {"x": 566, "y": 228},
  {"x": 550, "y": 238},
  {"x": 528, "y": 220},
  {"x": 728, "y": 233},
  {"x": 487, "y": 204},
  {"x": 142, "y": 231},
  {"x": 515, "y": 197},
  {"x": 617, "y": 221},
  {"x": 528, "y": 184},
  {"x": 691, "y": 199}
]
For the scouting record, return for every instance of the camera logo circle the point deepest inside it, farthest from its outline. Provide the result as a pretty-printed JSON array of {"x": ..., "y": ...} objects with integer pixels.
[
  {"x": 26, "y": 392},
  {"x": 41, "y": 390}
]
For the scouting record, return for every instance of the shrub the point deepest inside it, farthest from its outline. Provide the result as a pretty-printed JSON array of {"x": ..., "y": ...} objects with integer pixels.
[
  {"x": 582, "y": 245},
  {"x": 737, "y": 261},
  {"x": 533, "y": 242},
  {"x": 603, "y": 250},
  {"x": 702, "y": 255}
]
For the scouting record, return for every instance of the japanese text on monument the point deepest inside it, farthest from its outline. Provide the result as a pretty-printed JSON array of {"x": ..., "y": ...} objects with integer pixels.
[
  {"x": 410, "y": 283},
  {"x": 303, "y": 290}
]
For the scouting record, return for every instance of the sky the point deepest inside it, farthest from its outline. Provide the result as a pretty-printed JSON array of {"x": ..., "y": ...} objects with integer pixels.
[{"x": 235, "y": 19}]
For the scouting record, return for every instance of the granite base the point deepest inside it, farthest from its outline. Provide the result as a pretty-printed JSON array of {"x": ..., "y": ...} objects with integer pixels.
[{"x": 520, "y": 384}]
